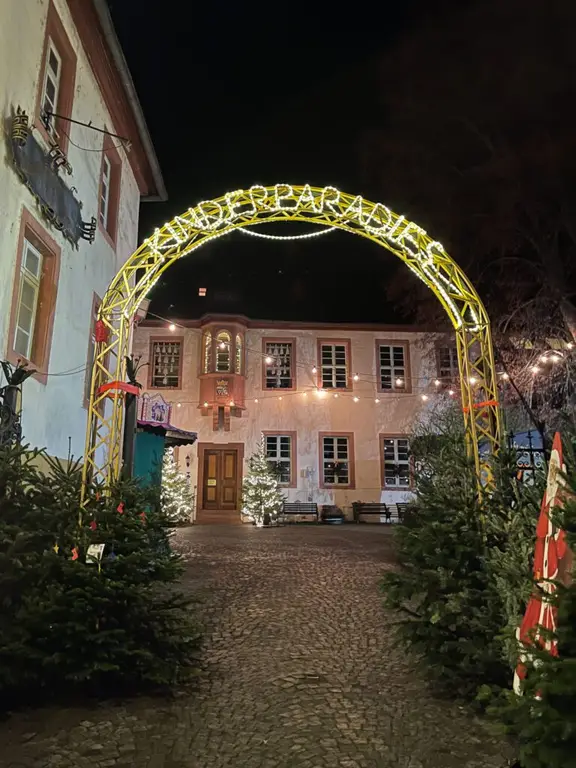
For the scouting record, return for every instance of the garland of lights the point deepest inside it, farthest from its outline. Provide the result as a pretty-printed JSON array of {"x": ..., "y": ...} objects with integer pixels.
[{"x": 287, "y": 237}]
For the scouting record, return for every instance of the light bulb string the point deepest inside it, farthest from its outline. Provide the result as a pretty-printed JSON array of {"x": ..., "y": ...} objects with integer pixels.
[
  {"x": 306, "y": 236},
  {"x": 431, "y": 380},
  {"x": 307, "y": 366},
  {"x": 318, "y": 395}
]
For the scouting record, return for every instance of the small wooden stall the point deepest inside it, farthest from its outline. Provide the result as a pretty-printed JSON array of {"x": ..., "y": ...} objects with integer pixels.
[{"x": 155, "y": 433}]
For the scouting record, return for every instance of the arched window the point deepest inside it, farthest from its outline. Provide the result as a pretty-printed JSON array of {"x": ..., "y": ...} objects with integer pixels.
[
  {"x": 223, "y": 352},
  {"x": 207, "y": 364},
  {"x": 238, "y": 367}
]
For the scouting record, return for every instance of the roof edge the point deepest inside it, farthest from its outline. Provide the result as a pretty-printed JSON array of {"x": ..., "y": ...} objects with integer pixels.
[{"x": 105, "y": 19}]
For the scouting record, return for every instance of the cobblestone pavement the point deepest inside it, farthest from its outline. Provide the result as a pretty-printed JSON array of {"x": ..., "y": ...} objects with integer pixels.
[{"x": 300, "y": 672}]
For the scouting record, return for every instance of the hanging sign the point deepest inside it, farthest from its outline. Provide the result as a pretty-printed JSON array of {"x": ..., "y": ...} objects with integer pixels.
[{"x": 94, "y": 553}]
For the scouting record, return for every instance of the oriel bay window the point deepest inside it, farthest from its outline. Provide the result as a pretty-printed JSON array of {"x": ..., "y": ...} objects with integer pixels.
[
  {"x": 278, "y": 364},
  {"x": 334, "y": 364},
  {"x": 393, "y": 366},
  {"x": 166, "y": 363},
  {"x": 281, "y": 453},
  {"x": 337, "y": 460},
  {"x": 396, "y": 463}
]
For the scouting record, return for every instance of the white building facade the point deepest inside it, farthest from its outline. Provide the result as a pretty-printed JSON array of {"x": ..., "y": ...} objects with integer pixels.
[
  {"x": 335, "y": 404},
  {"x": 70, "y": 199}
]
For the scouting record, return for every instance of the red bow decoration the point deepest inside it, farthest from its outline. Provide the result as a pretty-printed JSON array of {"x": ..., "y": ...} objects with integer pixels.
[
  {"x": 74, "y": 554},
  {"x": 143, "y": 516},
  {"x": 120, "y": 508},
  {"x": 93, "y": 525}
]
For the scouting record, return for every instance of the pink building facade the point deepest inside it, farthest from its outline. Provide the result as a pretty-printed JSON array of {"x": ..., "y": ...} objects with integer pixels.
[{"x": 335, "y": 404}]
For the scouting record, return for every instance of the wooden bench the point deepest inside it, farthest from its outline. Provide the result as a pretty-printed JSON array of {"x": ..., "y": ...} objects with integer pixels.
[
  {"x": 299, "y": 509},
  {"x": 387, "y": 513}
]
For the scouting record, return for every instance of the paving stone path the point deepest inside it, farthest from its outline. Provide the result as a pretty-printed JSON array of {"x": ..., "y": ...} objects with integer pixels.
[{"x": 300, "y": 672}]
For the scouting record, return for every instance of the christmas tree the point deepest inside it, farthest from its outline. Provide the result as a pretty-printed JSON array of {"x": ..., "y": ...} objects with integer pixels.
[
  {"x": 175, "y": 493},
  {"x": 88, "y": 595},
  {"x": 465, "y": 566},
  {"x": 261, "y": 494},
  {"x": 543, "y": 718}
]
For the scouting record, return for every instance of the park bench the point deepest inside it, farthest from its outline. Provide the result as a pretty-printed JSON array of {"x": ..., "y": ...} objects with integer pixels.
[
  {"x": 299, "y": 512},
  {"x": 385, "y": 513}
]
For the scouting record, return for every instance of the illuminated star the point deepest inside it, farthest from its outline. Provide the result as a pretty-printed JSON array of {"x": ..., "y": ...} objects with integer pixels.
[{"x": 56, "y": 548}]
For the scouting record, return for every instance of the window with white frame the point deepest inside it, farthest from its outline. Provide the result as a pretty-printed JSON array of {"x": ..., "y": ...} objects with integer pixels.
[
  {"x": 279, "y": 455},
  {"x": 334, "y": 366},
  {"x": 29, "y": 292},
  {"x": 223, "y": 352},
  {"x": 52, "y": 79},
  {"x": 105, "y": 185},
  {"x": 396, "y": 457},
  {"x": 207, "y": 362},
  {"x": 448, "y": 371},
  {"x": 335, "y": 460},
  {"x": 392, "y": 363},
  {"x": 239, "y": 351},
  {"x": 278, "y": 365},
  {"x": 166, "y": 364}
]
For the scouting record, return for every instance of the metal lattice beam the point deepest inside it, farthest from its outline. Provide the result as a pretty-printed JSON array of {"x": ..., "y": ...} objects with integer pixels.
[{"x": 327, "y": 206}]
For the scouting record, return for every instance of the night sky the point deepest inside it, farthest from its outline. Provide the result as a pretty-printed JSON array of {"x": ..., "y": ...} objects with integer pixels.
[{"x": 239, "y": 94}]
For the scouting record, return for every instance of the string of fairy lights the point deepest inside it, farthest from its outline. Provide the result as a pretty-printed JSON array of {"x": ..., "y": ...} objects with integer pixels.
[
  {"x": 547, "y": 360},
  {"x": 403, "y": 386}
]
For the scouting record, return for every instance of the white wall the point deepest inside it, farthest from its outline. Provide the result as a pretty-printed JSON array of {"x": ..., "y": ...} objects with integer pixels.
[
  {"x": 308, "y": 415},
  {"x": 54, "y": 412}
]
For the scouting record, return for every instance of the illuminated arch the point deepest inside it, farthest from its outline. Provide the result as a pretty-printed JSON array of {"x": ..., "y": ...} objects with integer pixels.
[{"x": 327, "y": 206}]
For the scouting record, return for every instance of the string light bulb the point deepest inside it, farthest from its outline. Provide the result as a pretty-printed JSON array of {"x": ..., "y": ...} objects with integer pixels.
[
  {"x": 306, "y": 236},
  {"x": 255, "y": 399},
  {"x": 222, "y": 345},
  {"x": 437, "y": 383},
  {"x": 555, "y": 358},
  {"x": 280, "y": 398},
  {"x": 505, "y": 376},
  {"x": 399, "y": 382},
  {"x": 450, "y": 392},
  {"x": 356, "y": 399},
  {"x": 304, "y": 394},
  {"x": 569, "y": 345},
  {"x": 336, "y": 394},
  {"x": 424, "y": 397},
  {"x": 205, "y": 405},
  {"x": 231, "y": 403},
  {"x": 171, "y": 327},
  {"x": 268, "y": 360},
  {"x": 314, "y": 369},
  {"x": 472, "y": 380},
  {"x": 179, "y": 405},
  {"x": 535, "y": 369},
  {"x": 356, "y": 377},
  {"x": 377, "y": 400}
]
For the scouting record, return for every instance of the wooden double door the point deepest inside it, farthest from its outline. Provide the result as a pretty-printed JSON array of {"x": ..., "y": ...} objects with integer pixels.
[{"x": 221, "y": 479}]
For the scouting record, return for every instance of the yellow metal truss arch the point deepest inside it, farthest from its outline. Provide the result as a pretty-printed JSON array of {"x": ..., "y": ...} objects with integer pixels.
[{"x": 326, "y": 206}]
